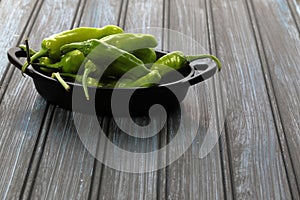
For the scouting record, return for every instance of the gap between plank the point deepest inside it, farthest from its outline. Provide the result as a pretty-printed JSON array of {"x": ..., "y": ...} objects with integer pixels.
[
  {"x": 9, "y": 71},
  {"x": 271, "y": 95},
  {"x": 46, "y": 122},
  {"x": 45, "y": 118},
  {"x": 224, "y": 146}
]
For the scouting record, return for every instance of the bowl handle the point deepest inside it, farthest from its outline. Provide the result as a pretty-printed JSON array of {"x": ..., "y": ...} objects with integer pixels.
[
  {"x": 203, "y": 71},
  {"x": 14, "y": 54}
]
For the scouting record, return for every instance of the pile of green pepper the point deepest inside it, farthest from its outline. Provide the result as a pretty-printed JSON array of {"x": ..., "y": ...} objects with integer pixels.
[{"x": 120, "y": 59}]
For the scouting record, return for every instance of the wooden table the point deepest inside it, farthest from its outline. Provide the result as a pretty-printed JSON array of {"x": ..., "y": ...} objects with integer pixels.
[{"x": 250, "y": 109}]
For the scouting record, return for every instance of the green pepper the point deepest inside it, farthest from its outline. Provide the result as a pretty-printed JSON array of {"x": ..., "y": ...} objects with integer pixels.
[
  {"x": 131, "y": 41},
  {"x": 176, "y": 60},
  {"x": 148, "y": 80},
  {"x": 125, "y": 41},
  {"x": 118, "y": 61},
  {"x": 43, "y": 61},
  {"x": 69, "y": 63},
  {"x": 147, "y": 55},
  {"x": 51, "y": 45},
  {"x": 110, "y": 61}
]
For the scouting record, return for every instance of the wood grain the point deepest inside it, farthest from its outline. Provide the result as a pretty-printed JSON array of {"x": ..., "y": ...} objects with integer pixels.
[
  {"x": 202, "y": 171},
  {"x": 282, "y": 56},
  {"x": 17, "y": 136},
  {"x": 294, "y": 6},
  {"x": 122, "y": 185},
  {"x": 251, "y": 106},
  {"x": 16, "y": 21},
  {"x": 257, "y": 166},
  {"x": 22, "y": 109},
  {"x": 64, "y": 161}
]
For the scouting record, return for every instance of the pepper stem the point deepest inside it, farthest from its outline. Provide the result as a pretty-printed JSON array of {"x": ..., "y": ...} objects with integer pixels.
[
  {"x": 37, "y": 55},
  {"x": 89, "y": 68},
  {"x": 61, "y": 80},
  {"x": 203, "y": 56}
]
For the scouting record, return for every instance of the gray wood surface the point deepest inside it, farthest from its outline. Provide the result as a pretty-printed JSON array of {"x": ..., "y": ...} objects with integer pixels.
[
  {"x": 282, "y": 52},
  {"x": 250, "y": 107},
  {"x": 250, "y": 128}
]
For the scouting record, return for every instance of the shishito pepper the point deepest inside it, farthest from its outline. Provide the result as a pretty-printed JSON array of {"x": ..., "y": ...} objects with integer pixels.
[
  {"x": 150, "y": 79},
  {"x": 131, "y": 41},
  {"x": 176, "y": 60},
  {"x": 117, "y": 61},
  {"x": 126, "y": 41},
  {"x": 43, "y": 61},
  {"x": 69, "y": 63},
  {"x": 108, "y": 61},
  {"x": 51, "y": 46},
  {"x": 147, "y": 55}
]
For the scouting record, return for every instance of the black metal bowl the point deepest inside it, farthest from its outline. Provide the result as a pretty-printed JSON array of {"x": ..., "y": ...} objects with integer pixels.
[{"x": 136, "y": 101}]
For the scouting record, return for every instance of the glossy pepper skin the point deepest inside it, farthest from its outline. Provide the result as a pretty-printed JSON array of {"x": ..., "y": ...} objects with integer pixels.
[
  {"x": 126, "y": 41},
  {"x": 150, "y": 79},
  {"x": 169, "y": 62},
  {"x": 43, "y": 61},
  {"x": 147, "y": 55},
  {"x": 117, "y": 61},
  {"x": 108, "y": 61},
  {"x": 176, "y": 60},
  {"x": 131, "y": 41},
  {"x": 69, "y": 63},
  {"x": 51, "y": 46}
]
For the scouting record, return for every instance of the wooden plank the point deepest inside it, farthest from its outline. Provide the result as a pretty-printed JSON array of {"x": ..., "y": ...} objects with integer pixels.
[
  {"x": 101, "y": 13},
  {"x": 97, "y": 15},
  {"x": 16, "y": 18},
  {"x": 25, "y": 110},
  {"x": 194, "y": 176},
  {"x": 19, "y": 103},
  {"x": 215, "y": 88},
  {"x": 294, "y": 6},
  {"x": 281, "y": 48},
  {"x": 278, "y": 122},
  {"x": 64, "y": 169},
  {"x": 256, "y": 162},
  {"x": 21, "y": 118},
  {"x": 119, "y": 184}
]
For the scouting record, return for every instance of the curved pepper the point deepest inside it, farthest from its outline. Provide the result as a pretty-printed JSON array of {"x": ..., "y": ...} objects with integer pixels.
[
  {"x": 147, "y": 55},
  {"x": 51, "y": 45},
  {"x": 43, "y": 61},
  {"x": 109, "y": 61},
  {"x": 131, "y": 41},
  {"x": 148, "y": 80},
  {"x": 176, "y": 60},
  {"x": 103, "y": 55},
  {"x": 69, "y": 63},
  {"x": 126, "y": 41}
]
